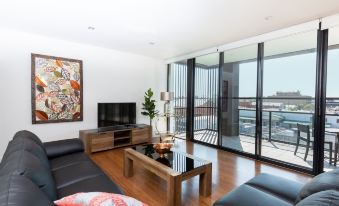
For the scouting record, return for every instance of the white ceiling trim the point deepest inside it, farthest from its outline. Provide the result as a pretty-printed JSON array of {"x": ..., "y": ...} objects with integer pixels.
[
  {"x": 330, "y": 21},
  {"x": 305, "y": 27}
]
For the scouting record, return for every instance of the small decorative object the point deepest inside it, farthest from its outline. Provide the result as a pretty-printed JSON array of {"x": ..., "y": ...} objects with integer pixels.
[
  {"x": 149, "y": 106},
  {"x": 56, "y": 89},
  {"x": 162, "y": 148},
  {"x": 167, "y": 97}
]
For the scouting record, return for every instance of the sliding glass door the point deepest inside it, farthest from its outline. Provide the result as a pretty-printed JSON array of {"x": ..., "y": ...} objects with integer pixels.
[
  {"x": 332, "y": 101},
  {"x": 288, "y": 99},
  {"x": 262, "y": 100},
  {"x": 206, "y": 78},
  {"x": 177, "y": 83},
  {"x": 238, "y": 99}
]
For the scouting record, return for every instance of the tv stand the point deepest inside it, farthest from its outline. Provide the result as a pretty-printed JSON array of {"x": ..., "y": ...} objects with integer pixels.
[{"x": 106, "y": 138}]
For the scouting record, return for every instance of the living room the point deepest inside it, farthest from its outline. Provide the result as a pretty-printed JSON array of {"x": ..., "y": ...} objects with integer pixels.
[{"x": 169, "y": 102}]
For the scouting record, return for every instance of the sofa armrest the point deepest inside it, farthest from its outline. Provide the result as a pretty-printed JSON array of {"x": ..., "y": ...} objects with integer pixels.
[
  {"x": 280, "y": 187},
  {"x": 63, "y": 147}
]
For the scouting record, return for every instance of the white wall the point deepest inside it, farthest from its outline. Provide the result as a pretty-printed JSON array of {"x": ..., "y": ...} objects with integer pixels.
[{"x": 108, "y": 76}]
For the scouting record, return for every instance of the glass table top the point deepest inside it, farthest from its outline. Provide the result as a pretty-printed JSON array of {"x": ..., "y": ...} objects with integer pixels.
[{"x": 178, "y": 161}]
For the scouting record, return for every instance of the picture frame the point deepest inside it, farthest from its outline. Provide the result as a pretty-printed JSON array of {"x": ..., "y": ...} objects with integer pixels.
[{"x": 56, "y": 89}]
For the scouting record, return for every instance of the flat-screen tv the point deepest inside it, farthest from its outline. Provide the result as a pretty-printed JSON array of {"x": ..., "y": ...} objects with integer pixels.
[{"x": 114, "y": 114}]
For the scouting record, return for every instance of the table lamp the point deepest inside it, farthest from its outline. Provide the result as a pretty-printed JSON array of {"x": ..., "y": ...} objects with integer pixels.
[{"x": 167, "y": 97}]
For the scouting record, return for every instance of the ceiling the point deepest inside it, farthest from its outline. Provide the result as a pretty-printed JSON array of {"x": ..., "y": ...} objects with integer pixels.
[{"x": 159, "y": 28}]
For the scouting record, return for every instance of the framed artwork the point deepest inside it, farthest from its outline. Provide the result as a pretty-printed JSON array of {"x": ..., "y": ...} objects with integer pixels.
[{"x": 57, "y": 89}]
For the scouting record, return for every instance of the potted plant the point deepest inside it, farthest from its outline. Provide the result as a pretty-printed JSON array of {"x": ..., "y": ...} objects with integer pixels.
[{"x": 149, "y": 106}]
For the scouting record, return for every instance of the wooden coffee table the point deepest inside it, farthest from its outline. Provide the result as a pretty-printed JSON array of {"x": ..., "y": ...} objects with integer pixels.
[{"x": 174, "y": 168}]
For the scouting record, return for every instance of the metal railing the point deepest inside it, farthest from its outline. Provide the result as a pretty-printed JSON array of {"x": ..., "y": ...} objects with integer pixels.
[{"x": 277, "y": 126}]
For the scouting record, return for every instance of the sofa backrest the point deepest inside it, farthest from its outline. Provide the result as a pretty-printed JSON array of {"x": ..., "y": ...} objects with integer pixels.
[
  {"x": 323, "y": 198},
  {"x": 26, "y": 164},
  {"x": 28, "y": 135},
  {"x": 17, "y": 190},
  {"x": 19, "y": 144},
  {"x": 320, "y": 183},
  {"x": 25, "y": 156}
]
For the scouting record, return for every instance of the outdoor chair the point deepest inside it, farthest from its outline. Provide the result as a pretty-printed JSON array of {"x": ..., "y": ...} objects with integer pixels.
[{"x": 304, "y": 134}]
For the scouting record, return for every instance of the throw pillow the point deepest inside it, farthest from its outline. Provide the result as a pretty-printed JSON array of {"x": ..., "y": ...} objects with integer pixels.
[{"x": 98, "y": 199}]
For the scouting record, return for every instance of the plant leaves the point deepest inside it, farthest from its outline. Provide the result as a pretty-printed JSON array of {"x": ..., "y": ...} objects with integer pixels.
[
  {"x": 41, "y": 96},
  {"x": 40, "y": 88},
  {"x": 53, "y": 94},
  {"x": 149, "y": 105},
  {"x": 58, "y": 74},
  {"x": 66, "y": 91},
  {"x": 39, "y": 82},
  {"x": 61, "y": 81},
  {"x": 75, "y": 85},
  {"x": 76, "y": 76},
  {"x": 47, "y": 103},
  {"x": 65, "y": 74},
  {"x": 53, "y": 87},
  {"x": 76, "y": 115},
  {"x": 41, "y": 115},
  {"x": 76, "y": 93},
  {"x": 50, "y": 69},
  {"x": 63, "y": 108},
  {"x": 58, "y": 63}
]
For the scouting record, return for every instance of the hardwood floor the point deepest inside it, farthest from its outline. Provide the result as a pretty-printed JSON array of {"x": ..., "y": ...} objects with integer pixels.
[{"x": 228, "y": 171}]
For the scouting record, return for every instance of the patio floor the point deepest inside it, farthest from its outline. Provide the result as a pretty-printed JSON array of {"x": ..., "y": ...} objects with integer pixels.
[{"x": 274, "y": 150}]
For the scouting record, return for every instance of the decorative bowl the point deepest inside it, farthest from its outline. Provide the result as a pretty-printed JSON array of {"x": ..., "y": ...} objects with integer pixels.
[{"x": 162, "y": 148}]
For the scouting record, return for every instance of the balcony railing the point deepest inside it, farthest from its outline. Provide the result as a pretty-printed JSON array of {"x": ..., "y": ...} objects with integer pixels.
[{"x": 278, "y": 126}]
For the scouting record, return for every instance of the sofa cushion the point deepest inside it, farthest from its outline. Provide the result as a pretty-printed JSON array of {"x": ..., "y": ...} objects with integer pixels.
[
  {"x": 16, "y": 190},
  {"x": 29, "y": 146},
  {"x": 99, "y": 183},
  {"x": 322, "y": 182},
  {"x": 324, "y": 198},
  {"x": 74, "y": 173},
  {"x": 278, "y": 186},
  {"x": 68, "y": 160},
  {"x": 27, "y": 134},
  {"x": 246, "y": 195},
  {"x": 26, "y": 164},
  {"x": 63, "y": 147}
]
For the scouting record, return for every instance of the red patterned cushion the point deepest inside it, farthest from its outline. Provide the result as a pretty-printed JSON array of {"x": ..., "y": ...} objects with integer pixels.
[{"x": 98, "y": 199}]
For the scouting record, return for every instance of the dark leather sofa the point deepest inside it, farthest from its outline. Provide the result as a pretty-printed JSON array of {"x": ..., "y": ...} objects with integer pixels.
[
  {"x": 33, "y": 173},
  {"x": 270, "y": 190}
]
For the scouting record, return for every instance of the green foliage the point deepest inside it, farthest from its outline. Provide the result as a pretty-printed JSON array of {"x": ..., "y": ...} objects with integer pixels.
[
  {"x": 149, "y": 105},
  {"x": 308, "y": 107}
]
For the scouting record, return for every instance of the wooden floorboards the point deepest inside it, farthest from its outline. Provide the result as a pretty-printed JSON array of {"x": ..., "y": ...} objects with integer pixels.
[{"x": 228, "y": 171}]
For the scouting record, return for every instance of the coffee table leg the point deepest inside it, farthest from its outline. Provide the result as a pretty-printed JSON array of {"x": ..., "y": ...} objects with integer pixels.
[
  {"x": 128, "y": 166},
  {"x": 173, "y": 191},
  {"x": 205, "y": 181}
]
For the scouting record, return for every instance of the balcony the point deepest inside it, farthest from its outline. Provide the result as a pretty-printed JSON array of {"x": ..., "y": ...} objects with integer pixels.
[{"x": 279, "y": 134}]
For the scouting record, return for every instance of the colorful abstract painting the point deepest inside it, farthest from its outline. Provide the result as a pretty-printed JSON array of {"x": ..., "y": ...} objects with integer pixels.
[{"x": 56, "y": 89}]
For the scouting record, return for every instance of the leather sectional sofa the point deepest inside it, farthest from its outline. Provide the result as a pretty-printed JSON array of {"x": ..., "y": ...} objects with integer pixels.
[
  {"x": 33, "y": 173},
  {"x": 270, "y": 190}
]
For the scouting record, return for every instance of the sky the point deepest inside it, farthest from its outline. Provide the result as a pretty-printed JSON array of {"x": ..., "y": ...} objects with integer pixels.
[{"x": 290, "y": 74}]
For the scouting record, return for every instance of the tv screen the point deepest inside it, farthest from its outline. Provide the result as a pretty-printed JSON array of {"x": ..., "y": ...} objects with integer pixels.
[{"x": 113, "y": 114}]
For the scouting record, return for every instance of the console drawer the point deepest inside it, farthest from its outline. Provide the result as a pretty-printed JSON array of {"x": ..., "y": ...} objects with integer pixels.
[
  {"x": 102, "y": 141},
  {"x": 140, "y": 135}
]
